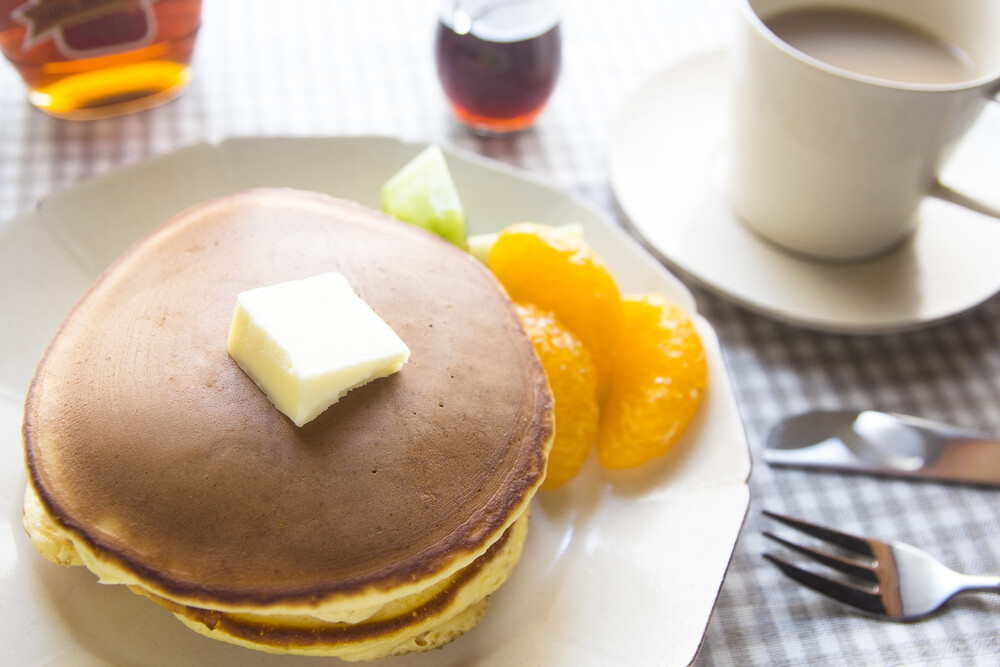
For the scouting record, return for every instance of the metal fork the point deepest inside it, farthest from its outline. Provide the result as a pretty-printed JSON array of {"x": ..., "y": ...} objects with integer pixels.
[{"x": 889, "y": 580}]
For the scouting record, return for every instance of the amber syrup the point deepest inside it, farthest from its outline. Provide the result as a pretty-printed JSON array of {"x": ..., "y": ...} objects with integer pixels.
[{"x": 498, "y": 76}]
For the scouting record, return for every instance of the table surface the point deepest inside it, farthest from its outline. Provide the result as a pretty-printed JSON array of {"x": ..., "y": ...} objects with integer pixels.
[{"x": 351, "y": 67}]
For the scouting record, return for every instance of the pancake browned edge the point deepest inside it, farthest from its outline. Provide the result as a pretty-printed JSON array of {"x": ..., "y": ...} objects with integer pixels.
[{"x": 157, "y": 463}]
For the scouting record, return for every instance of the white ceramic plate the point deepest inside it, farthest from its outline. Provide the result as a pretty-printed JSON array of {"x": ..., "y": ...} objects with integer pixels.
[
  {"x": 618, "y": 569},
  {"x": 667, "y": 169}
]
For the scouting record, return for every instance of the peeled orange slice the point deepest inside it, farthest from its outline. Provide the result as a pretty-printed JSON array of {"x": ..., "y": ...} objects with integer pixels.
[
  {"x": 657, "y": 384},
  {"x": 560, "y": 273},
  {"x": 573, "y": 381}
]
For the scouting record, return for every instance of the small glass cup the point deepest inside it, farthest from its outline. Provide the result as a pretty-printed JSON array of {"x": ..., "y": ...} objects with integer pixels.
[
  {"x": 498, "y": 61},
  {"x": 85, "y": 59}
]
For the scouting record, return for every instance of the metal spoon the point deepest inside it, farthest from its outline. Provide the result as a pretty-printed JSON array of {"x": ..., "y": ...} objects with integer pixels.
[{"x": 884, "y": 443}]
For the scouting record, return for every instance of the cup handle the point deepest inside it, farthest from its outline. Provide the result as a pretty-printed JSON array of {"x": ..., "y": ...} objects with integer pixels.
[{"x": 942, "y": 191}]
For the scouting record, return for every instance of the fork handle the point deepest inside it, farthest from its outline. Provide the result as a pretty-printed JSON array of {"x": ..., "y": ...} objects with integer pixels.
[{"x": 982, "y": 584}]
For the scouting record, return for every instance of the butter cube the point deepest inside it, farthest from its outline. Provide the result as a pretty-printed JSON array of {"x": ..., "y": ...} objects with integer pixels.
[{"x": 308, "y": 342}]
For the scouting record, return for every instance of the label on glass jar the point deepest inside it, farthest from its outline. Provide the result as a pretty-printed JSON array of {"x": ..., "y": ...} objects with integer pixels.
[{"x": 87, "y": 28}]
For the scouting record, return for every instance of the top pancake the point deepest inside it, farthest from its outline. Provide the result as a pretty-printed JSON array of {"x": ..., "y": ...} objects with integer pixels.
[{"x": 149, "y": 445}]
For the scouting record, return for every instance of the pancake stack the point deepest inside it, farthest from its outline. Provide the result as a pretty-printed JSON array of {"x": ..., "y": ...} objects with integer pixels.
[{"x": 379, "y": 528}]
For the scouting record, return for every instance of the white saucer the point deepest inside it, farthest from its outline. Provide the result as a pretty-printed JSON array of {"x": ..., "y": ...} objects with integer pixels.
[{"x": 667, "y": 167}]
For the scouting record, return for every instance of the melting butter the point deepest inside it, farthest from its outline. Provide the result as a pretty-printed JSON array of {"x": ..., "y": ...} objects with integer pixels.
[{"x": 308, "y": 342}]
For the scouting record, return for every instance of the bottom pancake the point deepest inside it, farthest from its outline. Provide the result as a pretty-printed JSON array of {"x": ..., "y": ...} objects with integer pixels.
[{"x": 418, "y": 622}]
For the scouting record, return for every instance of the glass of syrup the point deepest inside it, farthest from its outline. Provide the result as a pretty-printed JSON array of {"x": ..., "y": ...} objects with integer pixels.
[
  {"x": 86, "y": 59},
  {"x": 498, "y": 61}
]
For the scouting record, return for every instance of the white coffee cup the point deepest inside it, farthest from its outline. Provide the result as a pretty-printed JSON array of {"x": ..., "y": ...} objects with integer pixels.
[{"x": 834, "y": 164}]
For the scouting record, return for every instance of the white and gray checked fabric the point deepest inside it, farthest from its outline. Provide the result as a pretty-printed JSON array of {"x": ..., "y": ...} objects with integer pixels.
[{"x": 328, "y": 67}]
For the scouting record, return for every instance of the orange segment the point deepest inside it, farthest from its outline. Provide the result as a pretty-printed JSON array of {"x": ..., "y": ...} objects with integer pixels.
[
  {"x": 573, "y": 380},
  {"x": 657, "y": 385},
  {"x": 560, "y": 273}
]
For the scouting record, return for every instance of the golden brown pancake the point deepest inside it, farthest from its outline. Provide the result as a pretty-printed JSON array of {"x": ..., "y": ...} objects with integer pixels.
[
  {"x": 166, "y": 468},
  {"x": 418, "y": 622}
]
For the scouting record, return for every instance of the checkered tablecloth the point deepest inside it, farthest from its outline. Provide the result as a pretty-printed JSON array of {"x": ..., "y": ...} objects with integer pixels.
[{"x": 332, "y": 67}]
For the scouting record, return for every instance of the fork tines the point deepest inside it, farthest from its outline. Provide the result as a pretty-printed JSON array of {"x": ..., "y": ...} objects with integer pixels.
[{"x": 862, "y": 594}]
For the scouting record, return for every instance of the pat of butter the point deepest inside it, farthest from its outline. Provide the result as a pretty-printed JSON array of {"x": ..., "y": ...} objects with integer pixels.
[{"x": 308, "y": 342}]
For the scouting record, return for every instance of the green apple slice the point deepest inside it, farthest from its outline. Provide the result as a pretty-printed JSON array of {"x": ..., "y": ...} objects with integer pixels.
[
  {"x": 424, "y": 194},
  {"x": 481, "y": 244}
]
